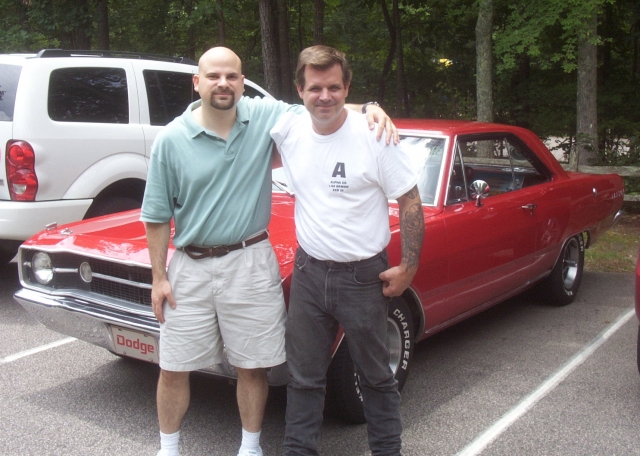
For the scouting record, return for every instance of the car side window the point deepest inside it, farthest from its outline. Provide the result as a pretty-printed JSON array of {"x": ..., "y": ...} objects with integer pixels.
[
  {"x": 9, "y": 76},
  {"x": 169, "y": 93},
  {"x": 502, "y": 161},
  {"x": 96, "y": 95}
]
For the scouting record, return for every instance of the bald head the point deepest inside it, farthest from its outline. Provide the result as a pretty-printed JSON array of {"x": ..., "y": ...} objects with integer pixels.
[
  {"x": 219, "y": 81},
  {"x": 220, "y": 56}
]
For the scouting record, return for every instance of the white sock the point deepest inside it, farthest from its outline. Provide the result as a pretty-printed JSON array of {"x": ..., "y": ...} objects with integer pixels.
[
  {"x": 250, "y": 440},
  {"x": 169, "y": 443}
]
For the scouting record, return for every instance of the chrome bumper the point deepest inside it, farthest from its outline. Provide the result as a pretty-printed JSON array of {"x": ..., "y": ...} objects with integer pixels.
[{"x": 90, "y": 323}]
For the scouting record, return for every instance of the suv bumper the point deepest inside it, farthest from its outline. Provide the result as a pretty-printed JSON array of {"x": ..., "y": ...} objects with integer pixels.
[
  {"x": 91, "y": 323},
  {"x": 21, "y": 220}
]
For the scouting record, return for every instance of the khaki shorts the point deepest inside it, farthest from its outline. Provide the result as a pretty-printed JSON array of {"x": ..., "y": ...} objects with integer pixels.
[{"x": 233, "y": 302}]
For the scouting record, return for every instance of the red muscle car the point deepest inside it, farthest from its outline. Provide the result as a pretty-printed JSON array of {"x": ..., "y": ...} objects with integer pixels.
[{"x": 501, "y": 216}]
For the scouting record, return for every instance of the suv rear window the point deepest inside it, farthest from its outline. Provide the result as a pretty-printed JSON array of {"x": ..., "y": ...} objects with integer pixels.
[
  {"x": 9, "y": 76},
  {"x": 169, "y": 93},
  {"x": 97, "y": 95}
]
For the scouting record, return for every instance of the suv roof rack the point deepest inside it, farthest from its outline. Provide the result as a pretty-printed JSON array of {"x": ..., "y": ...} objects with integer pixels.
[{"x": 45, "y": 53}]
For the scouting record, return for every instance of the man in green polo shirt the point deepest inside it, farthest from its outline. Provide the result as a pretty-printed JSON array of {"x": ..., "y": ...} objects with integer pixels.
[{"x": 210, "y": 171}]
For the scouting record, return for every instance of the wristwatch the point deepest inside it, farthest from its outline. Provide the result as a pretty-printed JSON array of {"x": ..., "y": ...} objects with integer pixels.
[{"x": 364, "y": 106}]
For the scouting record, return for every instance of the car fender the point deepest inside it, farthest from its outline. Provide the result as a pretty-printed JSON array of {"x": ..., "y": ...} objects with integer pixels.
[{"x": 107, "y": 171}]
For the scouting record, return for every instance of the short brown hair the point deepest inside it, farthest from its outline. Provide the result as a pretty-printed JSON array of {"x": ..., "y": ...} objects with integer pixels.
[{"x": 322, "y": 58}]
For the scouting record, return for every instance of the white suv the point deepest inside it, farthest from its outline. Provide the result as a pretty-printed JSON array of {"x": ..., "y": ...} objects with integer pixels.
[{"x": 77, "y": 129}]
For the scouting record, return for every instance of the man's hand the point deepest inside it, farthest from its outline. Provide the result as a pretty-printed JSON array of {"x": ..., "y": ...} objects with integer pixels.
[
  {"x": 159, "y": 292},
  {"x": 375, "y": 114},
  {"x": 158, "y": 241},
  {"x": 397, "y": 279}
]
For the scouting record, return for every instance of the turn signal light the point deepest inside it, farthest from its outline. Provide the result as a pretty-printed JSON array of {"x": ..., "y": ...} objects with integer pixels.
[{"x": 20, "y": 162}]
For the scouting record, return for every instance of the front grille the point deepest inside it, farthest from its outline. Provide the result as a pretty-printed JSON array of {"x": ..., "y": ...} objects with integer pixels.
[
  {"x": 136, "y": 291},
  {"x": 121, "y": 291},
  {"x": 117, "y": 290}
]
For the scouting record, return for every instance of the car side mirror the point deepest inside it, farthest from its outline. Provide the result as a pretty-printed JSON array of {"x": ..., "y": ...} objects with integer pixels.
[{"x": 479, "y": 189}]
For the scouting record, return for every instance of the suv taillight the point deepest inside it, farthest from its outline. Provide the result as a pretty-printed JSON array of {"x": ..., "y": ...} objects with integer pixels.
[{"x": 20, "y": 164}]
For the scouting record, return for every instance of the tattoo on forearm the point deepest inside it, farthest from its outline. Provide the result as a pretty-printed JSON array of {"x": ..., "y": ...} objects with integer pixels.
[
  {"x": 413, "y": 193},
  {"x": 412, "y": 230}
]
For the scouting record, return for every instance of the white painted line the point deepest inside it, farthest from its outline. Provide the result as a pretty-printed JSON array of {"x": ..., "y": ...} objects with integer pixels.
[
  {"x": 22, "y": 354},
  {"x": 493, "y": 432}
]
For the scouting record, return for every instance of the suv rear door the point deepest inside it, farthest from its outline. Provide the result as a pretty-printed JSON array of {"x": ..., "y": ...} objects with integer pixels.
[{"x": 78, "y": 112}]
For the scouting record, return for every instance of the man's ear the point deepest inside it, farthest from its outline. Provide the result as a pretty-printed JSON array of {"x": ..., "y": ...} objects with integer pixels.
[
  {"x": 300, "y": 91},
  {"x": 196, "y": 81}
]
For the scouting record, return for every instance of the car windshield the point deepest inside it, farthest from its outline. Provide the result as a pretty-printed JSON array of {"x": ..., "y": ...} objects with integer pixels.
[{"x": 426, "y": 155}]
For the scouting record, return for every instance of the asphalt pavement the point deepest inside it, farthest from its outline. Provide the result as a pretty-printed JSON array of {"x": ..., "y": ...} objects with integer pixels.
[{"x": 519, "y": 379}]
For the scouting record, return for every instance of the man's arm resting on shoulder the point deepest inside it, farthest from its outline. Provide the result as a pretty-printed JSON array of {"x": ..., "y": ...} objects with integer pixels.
[
  {"x": 375, "y": 114},
  {"x": 398, "y": 278},
  {"x": 158, "y": 235}
]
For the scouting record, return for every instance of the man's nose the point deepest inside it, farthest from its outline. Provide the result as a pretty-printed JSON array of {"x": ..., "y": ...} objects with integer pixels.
[{"x": 325, "y": 94}]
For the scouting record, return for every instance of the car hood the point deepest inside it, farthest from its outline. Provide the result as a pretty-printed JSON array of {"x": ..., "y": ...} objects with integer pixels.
[{"x": 121, "y": 237}]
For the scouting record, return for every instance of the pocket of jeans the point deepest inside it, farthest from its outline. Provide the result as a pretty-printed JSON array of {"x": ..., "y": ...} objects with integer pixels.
[
  {"x": 367, "y": 275},
  {"x": 301, "y": 260}
]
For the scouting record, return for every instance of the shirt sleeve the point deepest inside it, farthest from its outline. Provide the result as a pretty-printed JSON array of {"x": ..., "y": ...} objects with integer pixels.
[
  {"x": 397, "y": 176},
  {"x": 158, "y": 203}
]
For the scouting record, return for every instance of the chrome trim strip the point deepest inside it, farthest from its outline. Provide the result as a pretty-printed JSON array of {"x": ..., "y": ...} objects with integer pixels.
[{"x": 123, "y": 281}]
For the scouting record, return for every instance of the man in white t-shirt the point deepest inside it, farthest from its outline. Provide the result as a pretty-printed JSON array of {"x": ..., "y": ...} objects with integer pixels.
[{"x": 343, "y": 179}]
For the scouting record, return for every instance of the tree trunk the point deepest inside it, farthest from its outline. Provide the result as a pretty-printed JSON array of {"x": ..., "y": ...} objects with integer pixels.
[
  {"x": 318, "y": 22},
  {"x": 222, "y": 34},
  {"x": 403, "y": 99},
  {"x": 102, "y": 18},
  {"x": 587, "y": 107},
  {"x": 390, "y": 55},
  {"x": 270, "y": 58},
  {"x": 286, "y": 73},
  {"x": 191, "y": 31},
  {"x": 484, "y": 62}
]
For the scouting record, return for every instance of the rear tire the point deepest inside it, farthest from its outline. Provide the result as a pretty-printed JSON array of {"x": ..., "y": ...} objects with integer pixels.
[
  {"x": 8, "y": 250},
  {"x": 561, "y": 286},
  {"x": 344, "y": 397},
  {"x": 111, "y": 205}
]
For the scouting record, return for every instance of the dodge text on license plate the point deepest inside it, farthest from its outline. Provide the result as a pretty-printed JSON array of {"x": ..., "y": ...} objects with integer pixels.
[{"x": 135, "y": 344}]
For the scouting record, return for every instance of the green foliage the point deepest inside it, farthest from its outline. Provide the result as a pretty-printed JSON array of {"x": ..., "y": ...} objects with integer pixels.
[{"x": 535, "y": 46}]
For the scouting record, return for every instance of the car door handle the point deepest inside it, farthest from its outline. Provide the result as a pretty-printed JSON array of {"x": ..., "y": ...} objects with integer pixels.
[{"x": 529, "y": 207}]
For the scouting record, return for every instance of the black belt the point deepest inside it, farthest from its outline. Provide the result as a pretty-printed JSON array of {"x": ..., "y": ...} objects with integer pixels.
[{"x": 197, "y": 253}]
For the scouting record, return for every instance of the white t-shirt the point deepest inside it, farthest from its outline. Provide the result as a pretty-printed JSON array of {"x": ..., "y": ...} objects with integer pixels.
[{"x": 342, "y": 182}]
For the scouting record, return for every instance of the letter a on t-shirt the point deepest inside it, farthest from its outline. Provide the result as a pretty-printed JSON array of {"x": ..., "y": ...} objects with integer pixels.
[{"x": 339, "y": 170}]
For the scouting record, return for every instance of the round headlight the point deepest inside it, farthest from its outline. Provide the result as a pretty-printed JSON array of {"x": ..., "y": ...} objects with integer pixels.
[
  {"x": 42, "y": 269},
  {"x": 85, "y": 272}
]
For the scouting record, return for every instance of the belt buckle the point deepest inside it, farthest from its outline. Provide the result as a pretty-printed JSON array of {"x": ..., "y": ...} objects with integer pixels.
[{"x": 220, "y": 251}]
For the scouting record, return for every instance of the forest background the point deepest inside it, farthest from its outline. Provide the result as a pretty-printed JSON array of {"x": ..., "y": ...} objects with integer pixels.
[{"x": 565, "y": 69}]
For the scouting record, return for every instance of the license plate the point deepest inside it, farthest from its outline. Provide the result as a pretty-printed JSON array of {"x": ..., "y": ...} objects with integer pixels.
[{"x": 135, "y": 344}]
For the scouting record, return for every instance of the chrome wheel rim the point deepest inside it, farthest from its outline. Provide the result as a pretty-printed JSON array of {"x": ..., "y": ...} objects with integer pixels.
[
  {"x": 394, "y": 342},
  {"x": 570, "y": 263}
]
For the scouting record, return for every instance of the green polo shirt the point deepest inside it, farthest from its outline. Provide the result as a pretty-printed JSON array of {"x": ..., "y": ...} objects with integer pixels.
[{"x": 217, "y": 191}]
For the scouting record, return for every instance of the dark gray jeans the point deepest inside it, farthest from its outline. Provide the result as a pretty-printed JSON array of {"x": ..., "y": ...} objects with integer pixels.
[{"x": 323, "y": 294}]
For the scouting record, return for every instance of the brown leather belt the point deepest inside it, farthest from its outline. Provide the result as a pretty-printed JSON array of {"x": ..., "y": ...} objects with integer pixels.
[{"x": 198, "y": 253}]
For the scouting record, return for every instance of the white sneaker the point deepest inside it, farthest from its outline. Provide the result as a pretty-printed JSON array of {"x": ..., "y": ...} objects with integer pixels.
[
  {"x": 166, "y": 452},
  {"x": 246, "y": 452}
]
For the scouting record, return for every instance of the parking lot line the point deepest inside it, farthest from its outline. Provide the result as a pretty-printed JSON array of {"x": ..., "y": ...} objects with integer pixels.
[
  {"x": 32, "y": 351},
  {"x": 494, "y": 431}
]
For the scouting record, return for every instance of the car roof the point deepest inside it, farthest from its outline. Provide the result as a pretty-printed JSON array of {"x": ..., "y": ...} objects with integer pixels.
[{"x": 450, "y": 127}]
